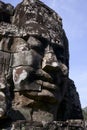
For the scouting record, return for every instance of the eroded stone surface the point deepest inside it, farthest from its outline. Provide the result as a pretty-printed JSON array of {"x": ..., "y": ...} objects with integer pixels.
[
  {"x": 55, "y": 125},
  {"x": 34, "y": 68}
]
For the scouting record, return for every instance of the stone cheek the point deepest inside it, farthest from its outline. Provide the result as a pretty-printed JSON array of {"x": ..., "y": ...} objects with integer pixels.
[
  {"x": 22, "y": 80},
  {"x": 19, "y": 74},
  {"x": 26, "y": 58}
]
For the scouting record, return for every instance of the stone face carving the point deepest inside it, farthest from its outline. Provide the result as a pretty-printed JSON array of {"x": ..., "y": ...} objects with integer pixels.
[{"x": 34, "y": 65}]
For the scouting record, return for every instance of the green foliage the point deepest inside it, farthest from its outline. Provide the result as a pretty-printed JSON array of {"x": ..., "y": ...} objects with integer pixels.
[{"x": 85, "y": 113}]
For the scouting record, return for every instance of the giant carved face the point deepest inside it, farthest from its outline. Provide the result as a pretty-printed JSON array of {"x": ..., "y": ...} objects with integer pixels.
[
  {"x": 33, "y": 68},
  {"x": 38, "y": 65},
  {"x": 38, "y": 72}
]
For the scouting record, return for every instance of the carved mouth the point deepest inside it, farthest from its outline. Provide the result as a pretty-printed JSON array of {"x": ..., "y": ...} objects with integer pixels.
[{"x": 41, "y": 91}]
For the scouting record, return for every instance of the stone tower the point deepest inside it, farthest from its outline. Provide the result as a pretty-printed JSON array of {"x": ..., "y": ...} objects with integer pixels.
[{"x": 34, "y": 66}]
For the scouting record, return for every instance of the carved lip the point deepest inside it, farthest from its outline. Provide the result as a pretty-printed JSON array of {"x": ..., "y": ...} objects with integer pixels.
[{"x": 44, "y": 95}]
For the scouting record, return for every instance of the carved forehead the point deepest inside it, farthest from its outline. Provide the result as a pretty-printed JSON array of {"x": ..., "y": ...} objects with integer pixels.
[
  {"x": 32, "y": 17},
  {"x": 38, "y": 19}
]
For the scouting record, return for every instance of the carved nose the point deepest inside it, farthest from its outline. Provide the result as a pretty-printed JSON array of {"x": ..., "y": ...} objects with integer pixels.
[{"x": 50, "y": 61}]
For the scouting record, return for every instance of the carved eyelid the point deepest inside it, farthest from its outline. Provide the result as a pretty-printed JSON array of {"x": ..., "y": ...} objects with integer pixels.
[{"x": 35, "y": 43}]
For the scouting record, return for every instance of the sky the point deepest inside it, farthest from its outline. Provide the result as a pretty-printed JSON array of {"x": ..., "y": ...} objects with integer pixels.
[{"x": 74, "y": 17}]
